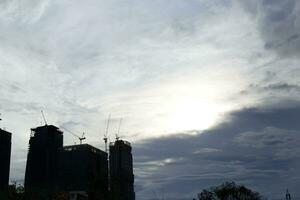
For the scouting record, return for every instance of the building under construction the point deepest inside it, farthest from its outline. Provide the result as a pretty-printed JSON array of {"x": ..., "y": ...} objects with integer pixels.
[
  {"x": 121, "y": 170},
  {"x": 42, "y": 159},
  {"x": 5, "y": 151},
  {"x": 78, "y": 170},
  {"x": 83, "y": 169}
]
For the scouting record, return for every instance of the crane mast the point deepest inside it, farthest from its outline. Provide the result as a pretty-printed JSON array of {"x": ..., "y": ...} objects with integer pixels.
[
  {"x": 106, "y": 132},
  {"x": 44, "y": 117},
  {"x": 117, "y": 135}
]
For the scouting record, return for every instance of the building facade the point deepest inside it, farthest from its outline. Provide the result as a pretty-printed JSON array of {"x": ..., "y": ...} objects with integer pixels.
[
  {"x": 84, "y": 168},
  {"x": 121, "y": 171},
  {"x": 5, "y": 152},
  {"x": 41, "y": 167}
]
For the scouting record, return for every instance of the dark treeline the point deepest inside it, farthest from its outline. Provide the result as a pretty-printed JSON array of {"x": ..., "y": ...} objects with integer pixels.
[{"x": 229, "y": 191}]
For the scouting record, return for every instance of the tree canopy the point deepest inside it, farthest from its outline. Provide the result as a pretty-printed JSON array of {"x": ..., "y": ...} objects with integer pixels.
[{"x": 229, "y": 191}]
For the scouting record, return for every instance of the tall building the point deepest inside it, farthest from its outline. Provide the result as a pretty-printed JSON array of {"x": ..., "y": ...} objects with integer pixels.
[
  {"x": 41, "y": 168},
  {"x": 5, "y": 151},
  {"x": 121, "y": 171},
  {"x": 83, "y": 169}
]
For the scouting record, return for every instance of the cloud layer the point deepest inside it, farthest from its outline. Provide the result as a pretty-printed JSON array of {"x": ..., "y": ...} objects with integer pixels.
[
  {"x": 174, "y": 71},
  {"x": 258, "y": 148},
  {"x": 278, "y": 22}
]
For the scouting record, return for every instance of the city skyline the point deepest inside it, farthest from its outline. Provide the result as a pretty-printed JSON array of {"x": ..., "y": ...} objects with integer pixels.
[{"x": 208, "y": 90}]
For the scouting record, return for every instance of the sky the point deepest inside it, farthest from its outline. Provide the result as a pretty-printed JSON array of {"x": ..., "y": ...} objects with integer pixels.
[{"x": 208, "y": 90}]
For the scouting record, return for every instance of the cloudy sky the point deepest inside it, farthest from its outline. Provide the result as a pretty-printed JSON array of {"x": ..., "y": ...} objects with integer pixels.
[{"x": 208, "y": 90}]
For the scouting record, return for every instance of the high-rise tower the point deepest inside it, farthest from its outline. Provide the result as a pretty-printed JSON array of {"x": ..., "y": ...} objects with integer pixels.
[
  {"x": 5, "y": 151},
  {"x": 121, "y": 170},
  {"x": 41, "y": 168},
  {"x": 84, "y": 168}
]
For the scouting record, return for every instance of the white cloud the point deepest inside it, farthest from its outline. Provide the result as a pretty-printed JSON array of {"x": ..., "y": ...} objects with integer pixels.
[{"x": 165, "y": 67}]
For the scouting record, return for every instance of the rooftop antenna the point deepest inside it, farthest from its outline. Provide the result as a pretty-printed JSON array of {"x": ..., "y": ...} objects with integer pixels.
[
  {"x": 117, "y": 135},
  {"x": 106, "y": 132},
  {"x": 288, "y": 195},
  {"x": 44, "y": 117},
  {"x": 75, "y": 135}
]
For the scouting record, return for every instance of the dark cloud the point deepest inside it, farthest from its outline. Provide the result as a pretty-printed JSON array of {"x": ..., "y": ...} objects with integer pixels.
[
  {"x": 279, "y": 24},
  {"x": 275, "y": 87},
  {"x": 258, "y": 147},
  {"x": 270, "y": 136}
]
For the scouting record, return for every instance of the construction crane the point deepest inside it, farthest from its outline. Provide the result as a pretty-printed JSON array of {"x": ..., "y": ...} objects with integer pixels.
[
  {"x": 75, "y": 135},
  {"x": 44, "y": 117},
  {"x": 106, "y": 133},
  {"x": 117, "y": 135}
]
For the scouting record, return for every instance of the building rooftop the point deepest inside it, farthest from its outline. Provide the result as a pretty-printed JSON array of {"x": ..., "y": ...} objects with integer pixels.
[
  {"x": 83, "y": 147},
  {"x": 119, "y": 142},
  {"x": 47, "y": 127},
  {"x": 4, "y": 132}
]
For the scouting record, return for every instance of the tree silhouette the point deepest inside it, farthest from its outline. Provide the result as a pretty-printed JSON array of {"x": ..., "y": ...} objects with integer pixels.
[
  {"x": 229, "y": 191},
  {"x": 15, "y": 192}
]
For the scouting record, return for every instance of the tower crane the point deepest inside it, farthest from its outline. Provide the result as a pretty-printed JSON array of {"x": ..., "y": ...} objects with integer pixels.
[
  {"x": 81, "y": 138},
  {"x": 117, "y": 134},
  {"x": 44, "y": 117},
  {"x": 106, "y": 132}
]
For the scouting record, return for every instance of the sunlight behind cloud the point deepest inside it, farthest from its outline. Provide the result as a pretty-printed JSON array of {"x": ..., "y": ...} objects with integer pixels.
[{"x": 190, "y": 114}]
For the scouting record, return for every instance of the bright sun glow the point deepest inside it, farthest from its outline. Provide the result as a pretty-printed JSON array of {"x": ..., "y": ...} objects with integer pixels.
[{"x": 190, "y": 114}]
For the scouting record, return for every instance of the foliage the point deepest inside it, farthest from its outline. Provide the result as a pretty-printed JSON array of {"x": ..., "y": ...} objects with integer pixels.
[
  {"x": 15, "y": 192},
  {"x": 229, "y": 191}
]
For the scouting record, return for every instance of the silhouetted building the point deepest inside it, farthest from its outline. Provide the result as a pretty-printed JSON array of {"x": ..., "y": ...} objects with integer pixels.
[
  {"x": 5, "y": 150},
  {"x": 83, "y": 169},
  {"x": 121, "y": 171},
  {"x": 41, "y": 168}
]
